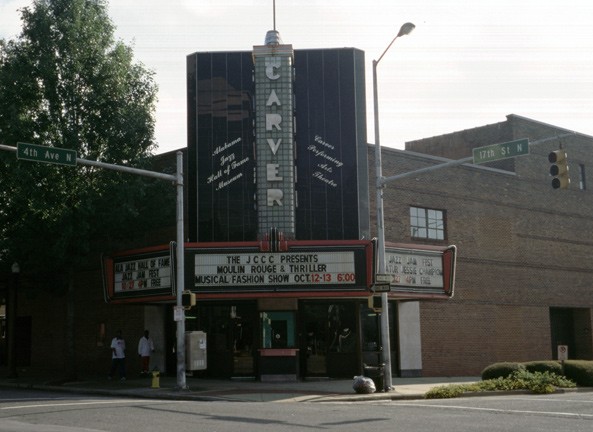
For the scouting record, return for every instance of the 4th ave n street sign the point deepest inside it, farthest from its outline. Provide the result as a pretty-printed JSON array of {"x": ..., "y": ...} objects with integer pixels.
[
  {"x": 39, "y": 153},
  {"x": 494, "y": 152}
]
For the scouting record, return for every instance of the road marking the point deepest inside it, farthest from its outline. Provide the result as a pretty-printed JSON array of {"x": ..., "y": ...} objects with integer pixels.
[
  {"x": 97, "y": 402},
  {"x": 557, "y": 400},
  {"x": 498, "y": 410}
]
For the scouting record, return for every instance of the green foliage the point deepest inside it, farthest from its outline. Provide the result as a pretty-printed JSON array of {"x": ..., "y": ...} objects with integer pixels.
[
  {"x": 580, "y": 371},
  {"x": 445, "y": 392},
  {"x": 541, "y": 382},
  {"x": 551, "y": 366},
  {"x": 521, "y": 379},
  {"x": 500, "y": 370},
  {"x": 66, "y": 82}
]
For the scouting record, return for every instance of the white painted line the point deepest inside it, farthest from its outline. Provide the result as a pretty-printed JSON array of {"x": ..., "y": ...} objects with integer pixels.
[
  {"x": 498, "y": 410},
  {"x": 97, "y": 402}
]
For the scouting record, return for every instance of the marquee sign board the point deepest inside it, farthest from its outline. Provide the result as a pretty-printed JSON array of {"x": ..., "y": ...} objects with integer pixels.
[
  {"x": 220, "y": 270},
  {"x": 420, "y": 271},
  {"x": 302, "y": 266},
  {"x": 139, "y": 274}
]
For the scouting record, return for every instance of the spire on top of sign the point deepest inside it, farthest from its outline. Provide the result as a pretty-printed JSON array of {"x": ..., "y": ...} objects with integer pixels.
[{"x": 273, "y": 36}]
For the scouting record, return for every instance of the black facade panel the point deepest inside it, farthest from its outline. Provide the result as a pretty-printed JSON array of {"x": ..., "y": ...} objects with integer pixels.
[
  {"x": 331, "y": 155},
  {"x": 222, "y": 187}
]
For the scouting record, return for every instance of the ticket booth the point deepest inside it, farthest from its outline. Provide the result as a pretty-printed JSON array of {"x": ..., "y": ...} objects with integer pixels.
[{"x": 279, "y": 355}]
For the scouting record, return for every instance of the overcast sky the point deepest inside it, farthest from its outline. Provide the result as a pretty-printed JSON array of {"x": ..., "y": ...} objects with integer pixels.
[{"x": 468, "y": 63}]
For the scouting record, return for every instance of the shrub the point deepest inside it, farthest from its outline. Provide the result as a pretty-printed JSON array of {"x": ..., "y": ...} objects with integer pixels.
[
  {"x": 445, "y": 392},
  {"x": 521, "y": 379},
  {"x": 551, "y": 366},
  {"x": 540, "y": 382},
  {"x": 580, "y": 371},
  {"x": 500, "y": 370}
]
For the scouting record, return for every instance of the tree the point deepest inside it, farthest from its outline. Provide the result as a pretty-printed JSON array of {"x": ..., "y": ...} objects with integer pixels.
[{"x": 66, "y": 82}]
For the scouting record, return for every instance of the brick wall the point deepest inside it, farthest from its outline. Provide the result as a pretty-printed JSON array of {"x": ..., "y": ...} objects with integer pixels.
[
  {"x": 48, "y": 310},
  {"x": 522, "y": 246}
]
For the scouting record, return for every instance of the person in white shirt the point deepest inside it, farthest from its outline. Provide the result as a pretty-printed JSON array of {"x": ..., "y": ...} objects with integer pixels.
[
  {"x": 145, "y": 348},
  {"x": 118, "y": 356}
]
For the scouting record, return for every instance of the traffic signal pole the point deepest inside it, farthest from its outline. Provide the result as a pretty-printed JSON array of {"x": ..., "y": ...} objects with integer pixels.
[{"x": 181, "y": 383}]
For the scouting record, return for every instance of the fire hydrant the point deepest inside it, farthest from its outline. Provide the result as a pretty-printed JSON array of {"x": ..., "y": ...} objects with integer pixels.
[{"x": 155, "y": 379}]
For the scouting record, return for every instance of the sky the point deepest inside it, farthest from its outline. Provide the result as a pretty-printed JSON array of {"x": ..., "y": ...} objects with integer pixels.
[{"x": 467, "y": 64}]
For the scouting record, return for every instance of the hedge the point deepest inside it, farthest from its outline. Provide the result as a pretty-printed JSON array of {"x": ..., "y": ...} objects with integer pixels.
[
  {"x": 501, "y": 370},
  {"x": 579, "y": 371},
  {"x": 551, "y": 366}
]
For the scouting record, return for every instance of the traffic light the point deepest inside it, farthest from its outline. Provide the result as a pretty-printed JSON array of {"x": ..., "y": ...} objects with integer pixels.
[
  {"x": 559, "y": 169},
  {"x": 188, "y": 299}
]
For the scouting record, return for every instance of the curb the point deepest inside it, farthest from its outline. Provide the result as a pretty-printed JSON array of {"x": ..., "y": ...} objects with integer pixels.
[
  {"x": 171, "y": 394},
  {"x": 182, "y": 395}
]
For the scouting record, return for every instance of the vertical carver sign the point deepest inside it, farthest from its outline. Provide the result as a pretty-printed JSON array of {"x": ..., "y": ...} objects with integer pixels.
[{"x": 275, "y": 137}]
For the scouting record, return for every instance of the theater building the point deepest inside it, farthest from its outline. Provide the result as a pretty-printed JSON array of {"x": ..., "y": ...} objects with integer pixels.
[{"x": 280, "y": 254}]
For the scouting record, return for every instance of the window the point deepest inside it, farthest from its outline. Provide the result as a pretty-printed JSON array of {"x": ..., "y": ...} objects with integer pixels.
[
  {"x": 427, "y": 223},
  {"x": 582, "y": 183}
]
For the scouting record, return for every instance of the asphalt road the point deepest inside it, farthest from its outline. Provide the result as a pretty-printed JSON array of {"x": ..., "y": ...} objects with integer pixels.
[{"x": 29, "y": 410}]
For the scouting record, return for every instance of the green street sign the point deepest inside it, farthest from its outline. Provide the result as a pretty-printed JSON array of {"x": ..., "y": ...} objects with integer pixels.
[
  {"x": 500, "y": 151},
  {"x": 39, "y": 153}
]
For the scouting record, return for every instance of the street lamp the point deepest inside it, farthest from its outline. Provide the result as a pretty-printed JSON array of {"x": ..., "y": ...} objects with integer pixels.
[
  {"x": 404, "y": 30},
  {"x": 11, "y": 320}
]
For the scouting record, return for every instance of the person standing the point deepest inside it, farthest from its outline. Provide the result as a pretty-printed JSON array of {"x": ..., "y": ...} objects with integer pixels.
[
  {"x": 145, "y": 348},
  {"x": 118, "y": 356}
]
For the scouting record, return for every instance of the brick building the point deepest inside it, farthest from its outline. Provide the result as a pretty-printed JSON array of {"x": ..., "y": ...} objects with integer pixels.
[{"x": 524, "y": 281}]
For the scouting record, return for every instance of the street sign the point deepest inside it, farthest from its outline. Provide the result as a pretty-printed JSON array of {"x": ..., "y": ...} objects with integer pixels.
[
  {"x": 383, "y": 278},
  {"x": 495, "y": 152},
  {"x": 381, "y": 287},
  {"x": 39, "y": 153},
  {"x": 562, "y": 352}
]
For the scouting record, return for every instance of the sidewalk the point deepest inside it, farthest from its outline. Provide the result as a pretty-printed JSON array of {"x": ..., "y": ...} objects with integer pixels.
[{"x": 198, "y": 389}]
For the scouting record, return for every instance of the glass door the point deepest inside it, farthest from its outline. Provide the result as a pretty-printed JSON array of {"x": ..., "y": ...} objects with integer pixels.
[
  {"x": 231, "y": 331},
  {"x": 330, "y": 338},
  {"x": 314, "y": 334},
  {"x": 242, "y": 329}
]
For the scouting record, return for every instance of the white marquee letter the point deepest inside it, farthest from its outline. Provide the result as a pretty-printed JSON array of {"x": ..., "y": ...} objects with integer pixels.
[
  {"x": 273, "y": 99},
  {"x": 274, "y": 145},
  {"x": 272, "y": 173},
  {"x": 273, "y": 120},
  {"x": 271, "y": 64},
  {"x": 275, "y": 197}
]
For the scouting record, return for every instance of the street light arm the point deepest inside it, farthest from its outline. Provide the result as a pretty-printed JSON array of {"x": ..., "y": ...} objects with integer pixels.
[
  {"x": 376, "y": 62},
  {"x": 405, "y": 29}
]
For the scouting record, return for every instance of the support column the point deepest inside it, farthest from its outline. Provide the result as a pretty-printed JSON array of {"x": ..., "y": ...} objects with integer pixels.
[{"x": 410, "y": 341}]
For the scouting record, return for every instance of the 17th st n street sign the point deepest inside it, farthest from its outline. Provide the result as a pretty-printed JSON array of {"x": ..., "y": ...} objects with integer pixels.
[
  {"x": 495, "y": 152},
  {"x": 39, "y": 153}
]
